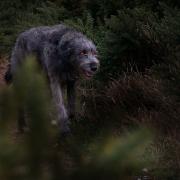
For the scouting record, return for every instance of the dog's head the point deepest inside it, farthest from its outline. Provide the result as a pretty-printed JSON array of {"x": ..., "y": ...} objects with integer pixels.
[{"x": 83, "y": 55}]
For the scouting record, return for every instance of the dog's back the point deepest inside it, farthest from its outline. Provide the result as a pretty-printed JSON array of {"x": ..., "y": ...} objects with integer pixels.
[{"x": 31, "y": 42}]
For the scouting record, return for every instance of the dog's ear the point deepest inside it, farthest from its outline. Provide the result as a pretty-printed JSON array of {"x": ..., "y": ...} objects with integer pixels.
[
  {"x": 54, "y": 39},
  {"x": 62, "y": 46},
  {"x": 64, "y": 49}
]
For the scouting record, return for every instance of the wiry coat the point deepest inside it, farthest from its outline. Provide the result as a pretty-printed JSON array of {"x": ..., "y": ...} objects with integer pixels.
[{"x": 64, "y": 54}]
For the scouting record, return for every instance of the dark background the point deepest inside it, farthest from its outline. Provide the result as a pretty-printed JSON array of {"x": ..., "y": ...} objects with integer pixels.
[{"x": 138, "y": 84}]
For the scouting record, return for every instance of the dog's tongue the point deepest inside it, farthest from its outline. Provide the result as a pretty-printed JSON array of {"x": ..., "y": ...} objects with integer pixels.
[{"x": 88, "y": 74}]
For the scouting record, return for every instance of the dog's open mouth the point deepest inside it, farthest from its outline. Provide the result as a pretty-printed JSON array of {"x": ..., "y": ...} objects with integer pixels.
[{"x": 88, "y": 74}]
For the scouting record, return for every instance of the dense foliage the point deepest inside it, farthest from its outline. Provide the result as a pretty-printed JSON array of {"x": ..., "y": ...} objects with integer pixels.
[{"x": 139, "y": 49}]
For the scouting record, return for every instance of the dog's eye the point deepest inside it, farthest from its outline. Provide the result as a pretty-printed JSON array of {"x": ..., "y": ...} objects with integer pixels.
[
  {"x": 94, "y": 53},
  {"x": 83, "y": 52}
]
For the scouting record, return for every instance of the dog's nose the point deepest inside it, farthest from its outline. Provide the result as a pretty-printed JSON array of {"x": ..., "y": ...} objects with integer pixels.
[{"x": 94, "y": 67}]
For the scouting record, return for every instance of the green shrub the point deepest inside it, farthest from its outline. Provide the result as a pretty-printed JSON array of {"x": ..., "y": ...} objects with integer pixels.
[{"x": 131, "y": 42}]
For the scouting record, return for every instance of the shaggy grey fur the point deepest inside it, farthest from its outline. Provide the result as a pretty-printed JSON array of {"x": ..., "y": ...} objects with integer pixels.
[{"x": 65, "y": 55}]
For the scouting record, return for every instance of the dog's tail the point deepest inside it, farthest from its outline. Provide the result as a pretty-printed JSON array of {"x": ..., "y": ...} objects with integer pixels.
[{"x": 8, "y": 75}]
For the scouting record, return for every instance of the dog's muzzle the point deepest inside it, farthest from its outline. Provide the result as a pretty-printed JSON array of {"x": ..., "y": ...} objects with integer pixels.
[{"x": 89, "y": 68}]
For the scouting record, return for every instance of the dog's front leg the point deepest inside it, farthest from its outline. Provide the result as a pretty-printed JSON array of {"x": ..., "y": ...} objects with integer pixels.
[
  {"x": 71, "y": 95},
  {"x": 62, "y": 116}
]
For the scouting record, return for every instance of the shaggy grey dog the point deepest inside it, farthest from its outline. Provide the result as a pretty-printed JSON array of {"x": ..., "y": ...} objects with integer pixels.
[{"x": 65, "y": 55}]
